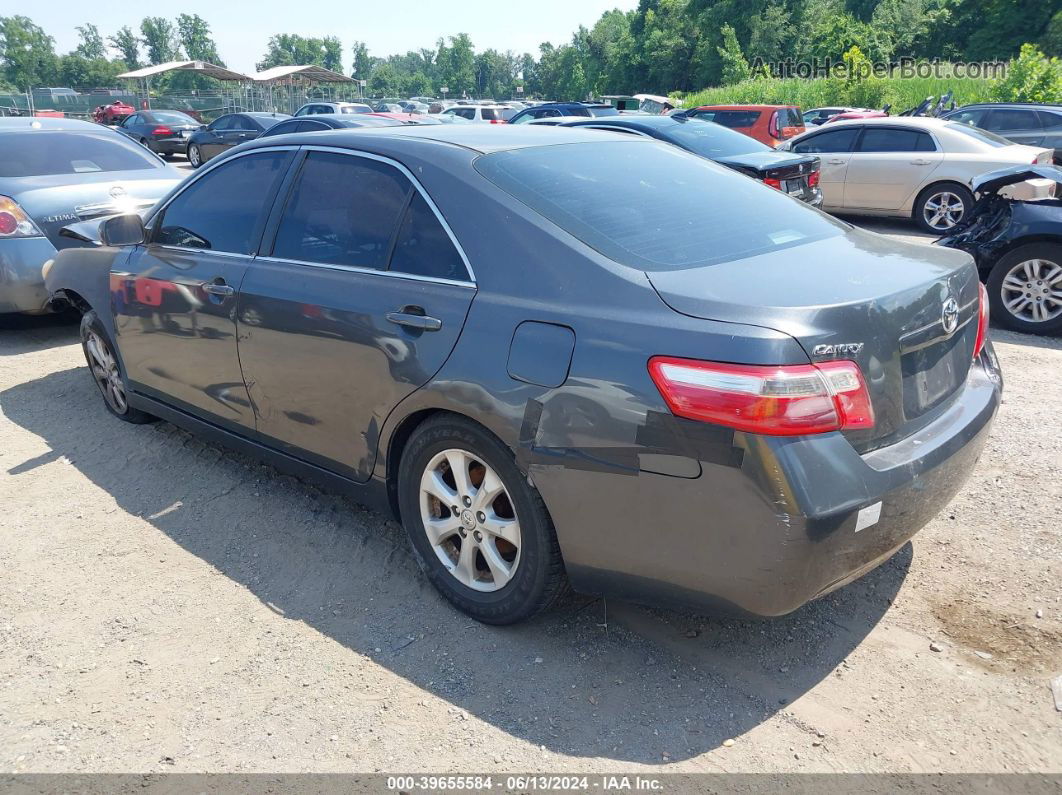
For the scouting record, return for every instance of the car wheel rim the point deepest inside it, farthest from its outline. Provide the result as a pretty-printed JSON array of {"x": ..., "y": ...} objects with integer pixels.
[
  {"x": 193, "y": 155},
  {"x": 943, "y": 210},
  {"x": 105, "y": 370},
  {"x": 1032, "y": 291},
  {"x": 470, "y": 520}
]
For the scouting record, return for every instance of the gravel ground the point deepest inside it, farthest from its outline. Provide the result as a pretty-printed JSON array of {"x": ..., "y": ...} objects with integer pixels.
[{"x": 167, "y": 605}]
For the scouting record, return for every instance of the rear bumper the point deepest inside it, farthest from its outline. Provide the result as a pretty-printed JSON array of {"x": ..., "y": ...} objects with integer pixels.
[
  {"x": 780, "y": 523},
  {"x": 21, "y": 280},
  {"x": 169, "y": 146}
]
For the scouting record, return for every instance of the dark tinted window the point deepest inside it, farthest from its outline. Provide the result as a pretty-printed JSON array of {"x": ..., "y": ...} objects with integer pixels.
[
  {"x": 971, "y": 117},
  {"x": 832, "y": 141},
  {"x": 244, "y": 123},
  {"x": 603, "y": 111},
  {"x": 171, "y": 117},
  {"x": 711, "y": 140},
  {"x": 423, "y": 247},
  {"x": 310, "y": 126},
  {"x": 283, "y": 128},
  {"x": 789, "y": 117},
  {"x": 1001, "y": 120},
  {"x": 878, "y": 139},
  {"x": 342, "y": 210},
  {"x": 490, "y": 114},
  {"x": 651, "y": 205},
  {"x": 1050, "y": 121},
  {"x": 220, "y": 211},
  {"x": 36, "y": 153},
  {"x": 730, "y": 118},
  {"x": 131, "y": 120},
  {"x": 224, "y": 123}
]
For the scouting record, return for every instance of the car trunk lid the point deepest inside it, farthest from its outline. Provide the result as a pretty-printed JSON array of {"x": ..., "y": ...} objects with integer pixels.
[{"x": 860, "y": 297}]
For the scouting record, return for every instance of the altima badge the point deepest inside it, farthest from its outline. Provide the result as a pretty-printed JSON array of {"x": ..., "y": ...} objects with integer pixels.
[{"x": 840, "y": 349}]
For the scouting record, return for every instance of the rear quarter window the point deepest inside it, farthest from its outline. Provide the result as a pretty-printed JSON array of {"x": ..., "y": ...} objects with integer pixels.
[
  {"x": 734, "y": 119},
  {"x": 651, "y": 205}
]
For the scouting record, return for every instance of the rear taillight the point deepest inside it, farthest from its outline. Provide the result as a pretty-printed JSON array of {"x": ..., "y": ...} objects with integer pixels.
[
  {"x": 14, "y": 222},
  {"x": 772, "y": 182},
  {"x": 813, "y": 179},
  {"x": 982, "y": 321},
  {"x": 162, "y": 129},
  {"x": 780, "y": 400},
  {"x": 497, "y": 121}
]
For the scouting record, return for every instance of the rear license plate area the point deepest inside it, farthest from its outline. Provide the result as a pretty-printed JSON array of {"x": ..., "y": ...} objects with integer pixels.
[
  {"x": 795, "y": 187},
  {"x": 932, "y": 373}
]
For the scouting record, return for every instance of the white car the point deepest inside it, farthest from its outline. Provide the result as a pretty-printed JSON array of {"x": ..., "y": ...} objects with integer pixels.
[
  {"x": 911, "y": 167},
  {"x": 312, "y": 108},
  {"x": 481, "y": 114}
]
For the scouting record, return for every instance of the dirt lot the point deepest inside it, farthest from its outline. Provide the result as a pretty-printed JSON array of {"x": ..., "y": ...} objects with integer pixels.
[{"x": 166, "y": 605}]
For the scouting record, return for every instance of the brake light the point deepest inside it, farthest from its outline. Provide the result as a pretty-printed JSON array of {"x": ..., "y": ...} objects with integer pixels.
[
  {"x": 813, "y": 179},
  {"x": 772, "y": 182},
  {"x": 982, "y": 321},
  {"x": 14, "y": 222},
  {"x": 777, "y": 400},
  {"x": 497, "y": 121},
  {"x": 162, "y": 129}
]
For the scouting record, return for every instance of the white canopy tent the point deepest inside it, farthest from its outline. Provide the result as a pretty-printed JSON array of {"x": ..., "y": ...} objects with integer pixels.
[
  {"x": 143, "y": 77},
  {"x": 288, "y": 85}
]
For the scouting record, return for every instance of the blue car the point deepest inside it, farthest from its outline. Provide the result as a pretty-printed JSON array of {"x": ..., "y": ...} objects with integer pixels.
[{"x": 55, "y": 172}]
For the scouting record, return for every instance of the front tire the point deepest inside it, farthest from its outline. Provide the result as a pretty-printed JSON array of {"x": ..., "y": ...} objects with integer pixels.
[
  {"x": 479, "y": 531},
  {"x": 107, "y": 371},
  {"x": 195, "y": 157},
  {"x": 1025, "y": 289},
  {"x": 940, "y": 207}
]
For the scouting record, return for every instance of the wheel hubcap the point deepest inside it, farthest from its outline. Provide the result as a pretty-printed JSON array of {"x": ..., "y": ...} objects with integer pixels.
[
  {"x": 470, "y": 520},
  {"x": 943, "y": 210},
  {"x": 1032, "y": 290},
  {"x": 193, "y": 155},
  {"x": 105, "y": 370}
]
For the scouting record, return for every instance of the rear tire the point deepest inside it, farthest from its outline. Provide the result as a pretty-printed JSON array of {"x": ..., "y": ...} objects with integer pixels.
[
  {"x": 195, "y": 157},
  {"x": 107, "y": 371},
  {"x": 940, "y": 207},
  {"x": 513, "y": 569},
  {"x": 1019, "y": 278}
]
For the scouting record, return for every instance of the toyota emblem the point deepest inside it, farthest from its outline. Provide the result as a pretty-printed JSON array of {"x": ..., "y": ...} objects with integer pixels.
[
  {"x": 949, "y": 317},
  {"x": 117, "y": 192}
]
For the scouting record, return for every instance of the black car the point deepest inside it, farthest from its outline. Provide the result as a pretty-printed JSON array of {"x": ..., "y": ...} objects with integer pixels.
[
  {"x": 1023, "y": 123},
  {"x": 557, "y": 355},
  {"x": 165, "y": 132},
  {"x": 550, "y": 109},
  {"x": 796, "y": 175},
  {"x": 228, "y": 131},
  {"x": 330, "y": 121},
  {"x": 1014, "y": 232}
]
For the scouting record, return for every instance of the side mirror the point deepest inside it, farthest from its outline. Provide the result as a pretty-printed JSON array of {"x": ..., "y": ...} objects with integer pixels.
[{"x": 122, "y": 230}]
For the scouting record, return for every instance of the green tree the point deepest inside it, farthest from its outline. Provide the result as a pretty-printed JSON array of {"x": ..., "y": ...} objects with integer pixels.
[
  {"x": 735, "y": 67},
  {"x": 81, "y": 72},
  {"x": 291, "y": 49},
  {"x": 194, "y": 34},
  {"x": 1031, "y": 77},
  {"x": 159, "y": 39},
  {"x": 771, "y": 33},
  {"x": 27, "y": 53},
  {"x": 128, "y": 46},
  {"x": 332, "y": 54},
  {"x": 91, "y": 45},
  {"x": 363, "y": 62},
  {"x": 458, "y": 65}
]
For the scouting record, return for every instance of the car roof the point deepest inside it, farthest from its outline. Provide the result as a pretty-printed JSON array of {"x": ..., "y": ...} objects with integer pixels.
[
  {"x": 923, "y": 122},
  {"x": 12, "y": 123},
  {"x": 481, "y": 138},
  {"x": 261, "y": 115},
  {"x": 743, "y": 107},
  {"x": 1048, "y": 105}
]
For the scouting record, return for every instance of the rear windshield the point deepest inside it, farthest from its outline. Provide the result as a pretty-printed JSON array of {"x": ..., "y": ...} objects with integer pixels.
[
  {"x": 730, "y": 118},
  {"x": 610, "y": 111},
  {"x": 984, "y": 136},
  {"x": 41, "y": 153},
  {"x": 789, "y": 117},
  {"x": 490, "y": 114},
  {"x": 712, "y": 140},
  {"x": 172, "y": 117},
  {"x": 653, "y": 206},
  {"x": 360, "y": 109}
]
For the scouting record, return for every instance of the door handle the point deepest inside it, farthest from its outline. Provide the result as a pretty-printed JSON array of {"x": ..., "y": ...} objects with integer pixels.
[
  {"x": 837, "y": 162},
  {"x": 220, "y": 289},
  {"x": 411, "y": 319},
  {"x": 921, "y": 162}
]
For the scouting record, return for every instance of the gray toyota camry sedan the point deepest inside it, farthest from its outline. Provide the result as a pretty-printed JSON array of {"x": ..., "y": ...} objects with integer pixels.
[
  {"x": 557, "y": 356},
  {"x": 54, "y": 172}
]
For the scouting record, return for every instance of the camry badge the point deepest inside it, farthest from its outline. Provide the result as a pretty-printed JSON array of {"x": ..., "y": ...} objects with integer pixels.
[
  {"x": 949, "y": 316},
  {"x": 838, "y": 349}
]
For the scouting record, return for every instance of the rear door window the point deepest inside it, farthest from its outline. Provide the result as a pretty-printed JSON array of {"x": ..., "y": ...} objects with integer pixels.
[
  {"x": 889, "y": 139},
  {"x": 223, "y": 209},
  {"x": 423, "y": 248},
  {"x": 1051, "y": 121},
  {"x": 342, "y": 210},
  {"x": 832, "y": 141},
  {"x": 1008, "y": 119},
  {"x": 971, "y": 117}
]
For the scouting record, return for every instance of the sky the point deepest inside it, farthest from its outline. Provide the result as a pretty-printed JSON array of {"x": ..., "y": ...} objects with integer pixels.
[{"x": 241, "y": 29}]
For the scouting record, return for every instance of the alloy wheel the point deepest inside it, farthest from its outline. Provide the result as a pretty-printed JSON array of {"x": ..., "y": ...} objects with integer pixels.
[
  {"x": 1032, "y": 290},
  {"x": 105, "y": 370},
  {"x": 193, "y": 156},
  {"x": 470, "y": 520},
  {"x": 943, "y": 210}
]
